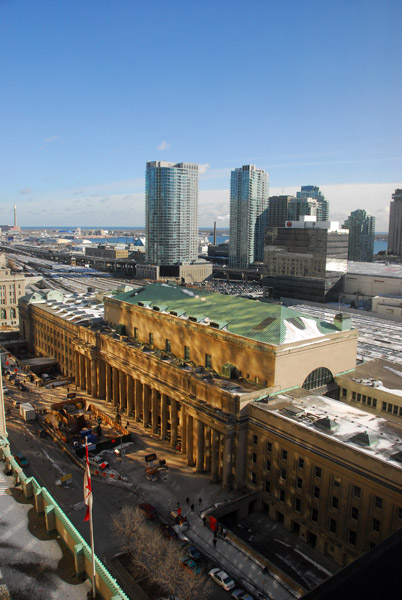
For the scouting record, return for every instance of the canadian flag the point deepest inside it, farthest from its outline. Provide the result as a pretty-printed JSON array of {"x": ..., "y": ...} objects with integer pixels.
[{"x": 87, "y": 487}]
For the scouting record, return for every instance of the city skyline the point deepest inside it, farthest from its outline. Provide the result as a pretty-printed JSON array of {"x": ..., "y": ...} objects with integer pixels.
[{"x": 87, "y": 100}]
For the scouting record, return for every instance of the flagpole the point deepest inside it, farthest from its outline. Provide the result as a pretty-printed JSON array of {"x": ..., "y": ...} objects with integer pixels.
[{"x": 90, "y": 522}]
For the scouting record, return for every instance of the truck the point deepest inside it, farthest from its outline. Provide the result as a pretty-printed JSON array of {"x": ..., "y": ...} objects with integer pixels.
[{"x": 27, "y": 412}]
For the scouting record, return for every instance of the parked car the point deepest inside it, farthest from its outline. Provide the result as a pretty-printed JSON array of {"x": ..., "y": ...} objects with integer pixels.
[
  {"x": 21, "y": 459},
  {"x": 241, "y": 595},
  {"x": 222, "y": 579},
  {"x": 149, "y": 510},
  {"x": 168, "y": 531},
  {"x": 192, "y": 551},
  {"x": 188, "y": 563}
]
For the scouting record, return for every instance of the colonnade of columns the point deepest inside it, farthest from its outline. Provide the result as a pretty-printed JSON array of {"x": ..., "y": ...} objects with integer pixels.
[{"x": 206, "y": 448}]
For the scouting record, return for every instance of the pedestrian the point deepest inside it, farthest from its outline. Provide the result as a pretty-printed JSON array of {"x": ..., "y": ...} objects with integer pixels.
[
  {"x": 224, "y": 532},
  {"x": 187, "y": 500},
  {"x": 204, "y": 521},
  {"x": 192, "y": 508},
  {"x": 200, "y": 501},
  {"x": 214, "y": 542}
]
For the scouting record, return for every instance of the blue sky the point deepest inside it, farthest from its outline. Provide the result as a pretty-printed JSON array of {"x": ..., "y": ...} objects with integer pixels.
[{"x": 308, "y": 90}]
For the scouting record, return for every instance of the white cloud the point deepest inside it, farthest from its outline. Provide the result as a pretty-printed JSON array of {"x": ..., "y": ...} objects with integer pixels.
[
  {"x": 163, "y": 145},
  {"x": 50, "y": 140},
  {"x": 25, "y": 191},
  {"x": 203, "y": 168}
]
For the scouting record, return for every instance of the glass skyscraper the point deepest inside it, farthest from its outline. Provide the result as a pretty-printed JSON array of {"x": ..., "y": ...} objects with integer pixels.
[
  {"x": 171, "y": 213},
  {"x": 249, "y": 197},
  {"x": 361, "y": 235},
  {"x": 313, "y": 191}
]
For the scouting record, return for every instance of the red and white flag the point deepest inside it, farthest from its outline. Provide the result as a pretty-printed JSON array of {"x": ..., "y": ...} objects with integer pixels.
[{"x": 87, "y": 487}]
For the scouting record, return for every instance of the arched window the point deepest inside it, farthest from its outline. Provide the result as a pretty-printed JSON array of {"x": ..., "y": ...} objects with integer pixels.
[
  {"x": 318, "y": 378},
  {"x": 3, "y": 314},
  {"x": 13, "y": 313}
]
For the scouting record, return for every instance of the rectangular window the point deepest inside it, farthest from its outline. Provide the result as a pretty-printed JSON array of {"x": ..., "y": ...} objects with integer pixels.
[
  {"x": 268, "y": 465},
  {"x": 282, "y": 495},
  {"x": 208, "y": 361},
  {"x": 332, "y": 525},
  {"x": 395, "y": 409},
  {"x": 297, "y": 504},
  {"x": 316, "y": 492},
  {"x": 354, "y": 513},
  {"x": 375, "y": 402},
  {"x": 151, "y": 339},
  {"x": 299, "y": 483},
  {"x": 267, "y": 486},
  {"x": 356, "y": 491},
  {"x": 314, "y": 515},
  {"x": 186, "y": 352},
  {"x": 301, "y": 463},
  {"x": 269, "y": 446},
  {"x": 353, "y": 395},
  {"x": 399, "y": 512},
  {"x": 283, "y": 473},
  {"x": 284, "y": 454},
  {"x": 335, "y": 502},
  {"x": 376, "y": 525},
  {"x": 352, "y": 537},
  {"x": 389, "y": 408},
  {"x": 253, "y": 477},
  {"x": 254, "y": 458},
  {"x": 384, "y": 406},
  {"x": 168, "y": 346},
  {"x": 359, "y": 397},
  {"x": 337, "y": 481},
  {"x": 317, "y": 471},
  {"x": 377, "y": 502},
  {"x": 344, "y": 392},
  {"x": 364, "y": 399}
]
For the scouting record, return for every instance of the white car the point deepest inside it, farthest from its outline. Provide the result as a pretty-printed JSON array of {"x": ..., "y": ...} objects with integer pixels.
[{"x": 222, "y": 579}]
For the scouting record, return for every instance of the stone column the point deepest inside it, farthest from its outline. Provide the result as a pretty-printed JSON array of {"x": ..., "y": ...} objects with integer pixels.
[
  {"x": 155, "y": 410},
  {"x": 130, "y": 396},
  {"x": 77, "y": 371},
  {"x": 241, "y": 455},
  {"x": 102, "y": 378},
  {"x": 94, "y": 387},
  {"x": 199, "y": 456},
  {"x": 115, "y": 384},
  {"x": 108, "y": 382},
  {"x": 190, "y": 440},
  {"x": 183, "y": 429},
  {"x": 146, "y": 404},
  {"x": 82, "y": 372},
  {"x": 173, "y": 423},
  {"x": 88, "y": 375},
  {"x": 164, "y": 416},
  {"x": 214, "y": 455},
  {"x": 227, "y": 462},
  {"x": 138, "y": 400},
  {"x": 122, "y": 391},
  {"x": 207, "y": 448}
]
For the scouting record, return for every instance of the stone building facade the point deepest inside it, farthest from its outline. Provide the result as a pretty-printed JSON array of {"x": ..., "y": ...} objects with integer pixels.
[{"x": 228, "y": 382}]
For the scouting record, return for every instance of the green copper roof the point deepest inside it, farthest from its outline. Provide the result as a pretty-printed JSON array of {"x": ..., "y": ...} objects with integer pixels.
[{"x": 268, "y": 323}]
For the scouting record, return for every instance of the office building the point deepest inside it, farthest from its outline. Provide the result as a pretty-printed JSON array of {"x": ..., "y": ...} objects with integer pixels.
[
  {"x": 300, "y": 207},
  {"x": 313, "y": 191},
  {"x": 12, "y": 287},
  {"x": 278, "y": 210},
  {"x": 305, "y": 260},
  {"x": 171, "y": 213},
  {"x": 249, "y": 196},
  {"x": 395, "y": 224},
  {"x": 361, "y": 235}
]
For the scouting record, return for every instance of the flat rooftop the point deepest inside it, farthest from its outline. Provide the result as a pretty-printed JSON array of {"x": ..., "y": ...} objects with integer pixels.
[
  {"x": 362, "y": 431},
  {"x": 378, "y": 374},
  {"x": 382, "y": 269}
]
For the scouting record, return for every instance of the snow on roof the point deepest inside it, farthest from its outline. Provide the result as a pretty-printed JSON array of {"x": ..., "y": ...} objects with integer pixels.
[{"x": 353, "y": 426}]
